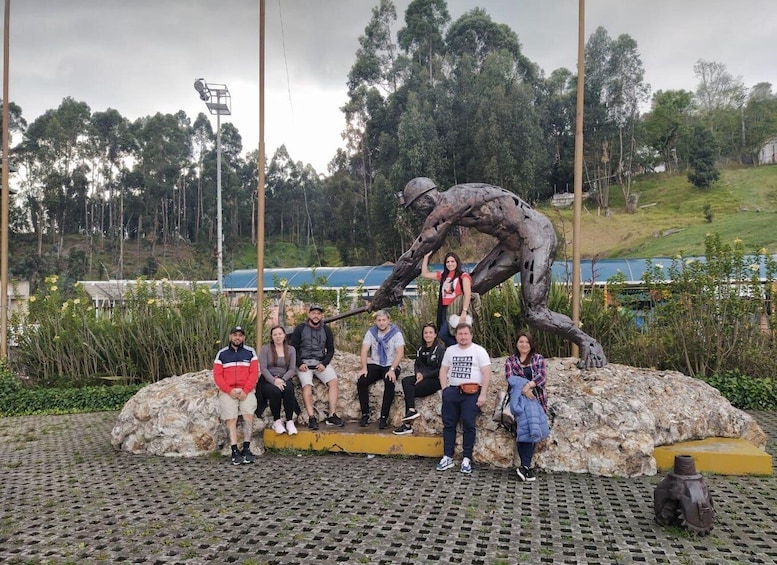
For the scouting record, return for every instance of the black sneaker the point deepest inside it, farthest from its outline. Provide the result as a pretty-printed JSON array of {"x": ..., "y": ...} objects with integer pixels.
[
  {"x": 411, "y": 414},
  {"x": 365, "y": 421},
  {"x": 382, "y": 423},
  {"x": 248, "y": 457},
  {"x": 334, "y": 420},
  {"x": 237, "y": 458},
  {"x": 313, "y": 423},
  {"x": 530, "y": 475},
  {"x": 521, "y": 471},
  {"x": 403, "y": 430}
]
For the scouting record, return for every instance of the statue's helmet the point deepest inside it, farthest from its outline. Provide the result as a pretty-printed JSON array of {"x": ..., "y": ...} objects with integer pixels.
[{"x": 417, "y": 188}]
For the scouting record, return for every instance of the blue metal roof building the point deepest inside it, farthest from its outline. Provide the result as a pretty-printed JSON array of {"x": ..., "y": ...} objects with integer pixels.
[{"x": 371, "y": 277}]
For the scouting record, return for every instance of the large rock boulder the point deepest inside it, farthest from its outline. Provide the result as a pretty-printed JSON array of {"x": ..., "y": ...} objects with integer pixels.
[{"x": 603, "y": 421}]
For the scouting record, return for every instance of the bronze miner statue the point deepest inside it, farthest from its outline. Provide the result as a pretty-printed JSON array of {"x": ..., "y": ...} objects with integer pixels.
[
  {"x": 526, "y": 243},
  {"x": 682, "y": 498}
]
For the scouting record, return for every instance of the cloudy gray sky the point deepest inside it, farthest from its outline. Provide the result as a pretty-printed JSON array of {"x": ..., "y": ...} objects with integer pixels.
[{"x": 142, "y": 56}]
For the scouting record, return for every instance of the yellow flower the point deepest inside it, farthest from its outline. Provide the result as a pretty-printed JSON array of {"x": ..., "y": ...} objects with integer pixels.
[
  {"x": 77, "y": 301},
  {"x": 32, "y": 299},
  {"x": 57, "y": 338},
  {"x": 755, "y": 267},
  {"x": 497, "y": 315},
  {"x": 54, "y": 288},
  {"x": 737, "y": 241},
  {"x": 151, "y": 301},
  {"x": 763, "y": 251},
  {"x": 65, "y": 305}
]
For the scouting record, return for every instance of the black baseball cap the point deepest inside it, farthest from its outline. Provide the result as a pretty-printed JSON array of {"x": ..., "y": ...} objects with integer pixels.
[
  {"x": 237, "y": 329},
  {"x": 315, "y": 307}
]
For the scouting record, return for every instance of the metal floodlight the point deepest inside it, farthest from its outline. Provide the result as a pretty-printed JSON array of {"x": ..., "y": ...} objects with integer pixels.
[
  {"x": 202, "y": 87},
  {"x": 216, "y": 97},
  {"x": 219, "y": 102}
]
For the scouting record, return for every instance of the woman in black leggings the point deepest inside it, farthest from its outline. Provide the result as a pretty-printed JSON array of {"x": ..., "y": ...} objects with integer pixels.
[{"x": 426, "y": 380}]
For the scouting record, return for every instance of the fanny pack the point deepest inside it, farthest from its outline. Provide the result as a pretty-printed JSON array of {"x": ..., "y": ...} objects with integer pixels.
[{"x": 469, "y": 388}]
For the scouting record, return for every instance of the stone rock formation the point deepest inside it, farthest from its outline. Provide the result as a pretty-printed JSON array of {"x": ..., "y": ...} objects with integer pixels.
[{"x": 604, "y": 421}]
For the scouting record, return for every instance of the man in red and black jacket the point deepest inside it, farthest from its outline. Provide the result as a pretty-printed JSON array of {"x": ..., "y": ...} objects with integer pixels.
[{"x": 236, "y": 371}]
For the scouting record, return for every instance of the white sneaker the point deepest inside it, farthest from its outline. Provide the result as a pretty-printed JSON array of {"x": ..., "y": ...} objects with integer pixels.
[
  {"x": 278, "y": 428},
  {"x": 445, "y": 463},
  {"x": 290, "y": 427}
]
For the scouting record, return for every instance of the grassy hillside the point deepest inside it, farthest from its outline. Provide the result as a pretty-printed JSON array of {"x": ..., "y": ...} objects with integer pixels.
[{"x": 671, "y": 218}]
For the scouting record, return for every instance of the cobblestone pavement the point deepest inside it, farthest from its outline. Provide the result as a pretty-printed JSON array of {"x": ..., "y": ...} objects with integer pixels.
[{"x": 67, "y": 497}]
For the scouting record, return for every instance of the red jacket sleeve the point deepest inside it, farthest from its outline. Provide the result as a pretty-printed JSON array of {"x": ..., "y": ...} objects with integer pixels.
[
  {"x": 218, "y": 377},
  {"x": 253, "y": 374}
]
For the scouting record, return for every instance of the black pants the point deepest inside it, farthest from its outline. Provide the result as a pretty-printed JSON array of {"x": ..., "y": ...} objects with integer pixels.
[
  {"x": 427, "y": 387},
  {"x": 274, "y": 396},
  {"x": 374, "y": 374}
]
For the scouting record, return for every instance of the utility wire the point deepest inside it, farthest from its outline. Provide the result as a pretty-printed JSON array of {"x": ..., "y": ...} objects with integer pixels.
[{"x": 285, "y": 60}]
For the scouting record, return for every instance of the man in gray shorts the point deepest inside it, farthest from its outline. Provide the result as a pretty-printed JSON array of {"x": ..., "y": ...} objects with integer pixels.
[{"x": 315, "y": 345}]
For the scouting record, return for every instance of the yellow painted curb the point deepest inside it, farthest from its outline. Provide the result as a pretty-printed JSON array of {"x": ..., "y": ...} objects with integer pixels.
[
  {"x": 721, "y": 455},
  {"x": 354, "y": 439}
]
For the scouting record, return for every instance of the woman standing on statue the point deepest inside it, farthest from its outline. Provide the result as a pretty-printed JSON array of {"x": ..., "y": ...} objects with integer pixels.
[
  {"x": 453, "y": 283},
  {"x": 526, "y": 372}
]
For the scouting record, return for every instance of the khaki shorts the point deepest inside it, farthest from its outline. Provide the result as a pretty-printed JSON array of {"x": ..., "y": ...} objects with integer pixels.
[
  {"x": 230, "y": 408},
  {"x": 306, "y": 377}
]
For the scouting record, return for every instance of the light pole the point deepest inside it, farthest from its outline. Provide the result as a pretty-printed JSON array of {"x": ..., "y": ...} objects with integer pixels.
[{"x": 219, "y": 102}]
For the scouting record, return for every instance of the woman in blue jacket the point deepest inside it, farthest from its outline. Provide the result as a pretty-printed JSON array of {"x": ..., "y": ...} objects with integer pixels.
[{"x": 526, "y": 372}]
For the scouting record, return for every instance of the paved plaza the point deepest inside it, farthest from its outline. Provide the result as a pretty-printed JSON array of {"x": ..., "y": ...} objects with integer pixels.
[{"x": 67, "y": 497}]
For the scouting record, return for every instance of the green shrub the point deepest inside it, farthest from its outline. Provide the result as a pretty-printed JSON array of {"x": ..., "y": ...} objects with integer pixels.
[
  {"x": 17, "y": 400},
  {"x": 745, "y": 392}
]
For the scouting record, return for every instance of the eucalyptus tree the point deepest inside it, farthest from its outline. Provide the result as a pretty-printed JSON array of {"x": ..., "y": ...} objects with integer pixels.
[
  {"x": 422, "y": 35},
  {"x": 285, "y": 200},
  {"x": 17, "y": 125},
  {"x": 202, "y": 142},
  {"x": 52, "y": 151},
  {"x": 342, "y": 191},
  {"x": 626, "y": 91},
  {"x": 614, "y": 90},
  {"x": 236, "y": 195},
  {"x": 493, "y": 90},
  {"x": 557, "y": 121},
  {"x": 164, "y": 150},
  {"x": 373, "y": 76},
  {"x": 668, "y": 121},
  {"x": 110, "y": 143},
  {"x": 760, "y": 115},
  {"x": 508, "y": 140},
  {"x": 720, "y": 100}
]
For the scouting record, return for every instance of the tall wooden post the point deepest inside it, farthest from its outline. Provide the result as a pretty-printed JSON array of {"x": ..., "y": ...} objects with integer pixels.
[{"x": 578, "y": 204}]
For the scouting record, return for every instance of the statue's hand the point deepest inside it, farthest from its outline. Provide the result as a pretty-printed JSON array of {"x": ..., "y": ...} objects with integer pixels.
[
  {"x": 385, "y": 298},
  {"x": 591, "y": 355}
]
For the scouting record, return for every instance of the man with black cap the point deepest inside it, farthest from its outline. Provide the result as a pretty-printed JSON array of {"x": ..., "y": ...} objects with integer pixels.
[
  {"x": 236, "y": 371},
  {"x": 315, "y": 345}
]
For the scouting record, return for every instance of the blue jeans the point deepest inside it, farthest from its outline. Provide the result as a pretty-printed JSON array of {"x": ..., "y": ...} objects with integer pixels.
[
  {"x": 526, "y": 452},
  {"x": 458, "y": 407}
]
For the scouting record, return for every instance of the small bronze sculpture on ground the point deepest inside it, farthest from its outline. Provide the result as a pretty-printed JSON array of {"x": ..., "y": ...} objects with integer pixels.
[
  {"x": 526, "y": 244},
  {"x": 682, "y": 498}
]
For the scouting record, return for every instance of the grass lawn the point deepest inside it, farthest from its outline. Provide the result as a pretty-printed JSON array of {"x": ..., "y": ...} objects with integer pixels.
[{"x": 671, "y": 217}]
